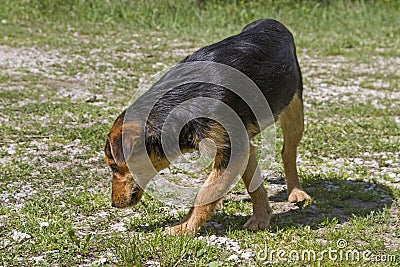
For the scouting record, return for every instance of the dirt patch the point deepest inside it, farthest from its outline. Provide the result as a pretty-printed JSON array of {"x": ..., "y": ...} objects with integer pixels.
[{"x": 341, "y": 79}]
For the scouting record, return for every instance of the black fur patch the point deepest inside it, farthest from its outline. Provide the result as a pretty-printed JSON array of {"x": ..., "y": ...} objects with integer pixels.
[{"x": 264, "y": 51}]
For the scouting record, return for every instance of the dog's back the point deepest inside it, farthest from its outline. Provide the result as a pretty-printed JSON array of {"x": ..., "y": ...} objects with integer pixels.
[{"x": 264, "y": 51}]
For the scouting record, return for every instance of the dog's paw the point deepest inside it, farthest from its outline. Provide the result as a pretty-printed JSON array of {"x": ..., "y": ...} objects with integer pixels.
[
  {"x": 180, "y": 229},
  {"x": 257, "y": 223},
  {"x": 298, "y": 195}
]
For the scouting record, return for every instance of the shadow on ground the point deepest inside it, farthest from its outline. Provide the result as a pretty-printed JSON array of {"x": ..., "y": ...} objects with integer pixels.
[{"x": 333, "y": 198}]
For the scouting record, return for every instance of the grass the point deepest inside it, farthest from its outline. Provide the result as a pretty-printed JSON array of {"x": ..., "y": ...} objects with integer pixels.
[
  {"x": 330, "y": 27},
  {"x": 55, "y": 187}
]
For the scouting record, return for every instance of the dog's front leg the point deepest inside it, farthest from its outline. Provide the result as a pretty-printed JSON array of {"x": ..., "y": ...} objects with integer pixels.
[
  {"x": 205, "y": 205},
  {"x": 261, "y": 209},
  {"x": 195, "y": 219}
]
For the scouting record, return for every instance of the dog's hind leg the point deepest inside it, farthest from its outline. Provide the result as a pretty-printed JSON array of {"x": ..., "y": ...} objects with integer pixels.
[
  {"x": 292, "y": 124},
  {"x": 261, "y": 209}
]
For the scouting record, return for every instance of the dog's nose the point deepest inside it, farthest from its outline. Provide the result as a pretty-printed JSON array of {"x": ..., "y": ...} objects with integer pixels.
[{"x": 113, "y": 204}]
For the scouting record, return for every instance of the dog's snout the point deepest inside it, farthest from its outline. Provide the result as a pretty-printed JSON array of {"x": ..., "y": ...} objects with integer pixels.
[{"x": 113, "y": 204}]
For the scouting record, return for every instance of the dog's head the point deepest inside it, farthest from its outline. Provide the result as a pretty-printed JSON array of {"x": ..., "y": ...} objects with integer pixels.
[{"x": 120, "y": 146}]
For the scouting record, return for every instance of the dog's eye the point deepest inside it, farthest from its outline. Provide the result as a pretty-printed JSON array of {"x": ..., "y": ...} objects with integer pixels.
[{"x": 114, "y": 167}]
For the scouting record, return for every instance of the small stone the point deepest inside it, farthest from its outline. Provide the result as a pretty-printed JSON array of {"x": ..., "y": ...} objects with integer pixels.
[
  {"x": 91, "y": 99},
  {"x": 43, "y": 224},
  {"x": 38, "y": 259},
  {"x": 246, "y": 255},
  {"x": 152, "y": 264},
  {"x": 11, "y": 151},
  {"x": 19, "y": 236},
  {"x": 118, "y": 227},
  {"x": 233, "y": 257}
]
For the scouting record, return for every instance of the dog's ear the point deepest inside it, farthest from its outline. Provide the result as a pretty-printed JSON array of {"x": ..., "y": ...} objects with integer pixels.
[
  {"x": 116, "y": 150},
  {"x": 107, "y": 151},
  {"x": 122, "y": 142}
]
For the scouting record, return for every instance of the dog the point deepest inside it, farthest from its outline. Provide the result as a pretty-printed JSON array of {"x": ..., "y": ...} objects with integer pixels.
[{"x": 264, "y": 51}]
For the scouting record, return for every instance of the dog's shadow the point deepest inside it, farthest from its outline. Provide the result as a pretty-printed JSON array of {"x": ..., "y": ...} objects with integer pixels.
[{"x": 332, "y": 199}]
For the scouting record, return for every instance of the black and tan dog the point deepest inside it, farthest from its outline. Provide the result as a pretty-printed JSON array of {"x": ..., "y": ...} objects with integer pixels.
[{"x": 265, "y": 52}]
